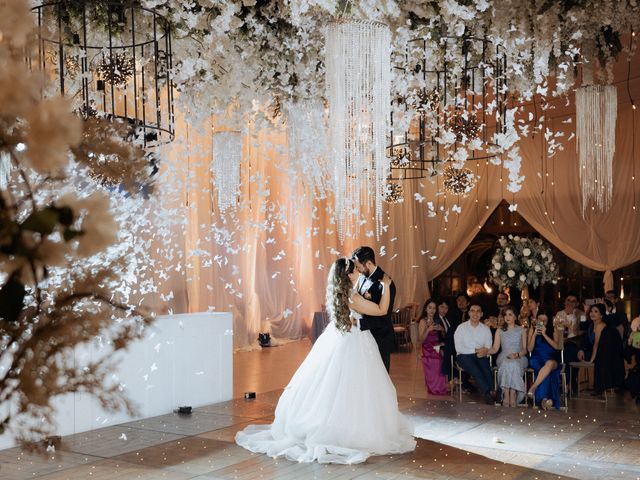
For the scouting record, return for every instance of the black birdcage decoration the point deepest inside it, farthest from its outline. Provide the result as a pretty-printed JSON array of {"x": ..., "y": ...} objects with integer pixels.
[
  {"x": 465, "y": 95},
  {"x": 114, "y": 60}
]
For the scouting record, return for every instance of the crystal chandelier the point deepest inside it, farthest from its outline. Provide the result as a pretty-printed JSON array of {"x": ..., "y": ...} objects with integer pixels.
[
  {"x": 227, "y": 156},
  {"x": 5, "y": 170},
  {"x": 596, "y": 112},
  {"x": 358, "y": 78},
  {"x": 457, "y": 102},
  {"x": 113, "y": 59},
  {"x": 308, "y": 153}
]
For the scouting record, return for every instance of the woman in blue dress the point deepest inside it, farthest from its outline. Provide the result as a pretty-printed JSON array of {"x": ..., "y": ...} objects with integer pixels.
[{"x": 545, "y": 342}]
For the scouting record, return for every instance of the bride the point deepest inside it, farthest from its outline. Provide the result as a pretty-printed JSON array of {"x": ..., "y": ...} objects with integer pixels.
[{"x": 340, "y": 406}]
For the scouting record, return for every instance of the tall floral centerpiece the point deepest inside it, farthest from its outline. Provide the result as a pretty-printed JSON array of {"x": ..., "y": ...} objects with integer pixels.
[{"x": 522, "y": 262}]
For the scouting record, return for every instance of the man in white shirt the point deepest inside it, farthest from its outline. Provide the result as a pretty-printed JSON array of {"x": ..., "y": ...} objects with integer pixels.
[
  {"x": 570, "y": 317},
  {"x": 572, "y": 322},
  {"x": 473, "y": 341}
]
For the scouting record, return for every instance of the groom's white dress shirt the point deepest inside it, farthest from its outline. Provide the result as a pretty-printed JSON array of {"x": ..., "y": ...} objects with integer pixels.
[{"x": 366, "y": 282}]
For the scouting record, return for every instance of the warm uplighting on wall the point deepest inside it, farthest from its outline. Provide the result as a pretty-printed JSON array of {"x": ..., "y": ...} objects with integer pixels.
[{"x": 621, "y": 288}]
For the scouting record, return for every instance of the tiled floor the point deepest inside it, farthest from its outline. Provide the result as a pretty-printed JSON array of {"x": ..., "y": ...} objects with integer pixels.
[{"x": 465, "y": 440}]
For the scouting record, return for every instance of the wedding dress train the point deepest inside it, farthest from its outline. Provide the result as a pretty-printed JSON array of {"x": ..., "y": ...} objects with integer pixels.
[{"x": 339, "y": 407}]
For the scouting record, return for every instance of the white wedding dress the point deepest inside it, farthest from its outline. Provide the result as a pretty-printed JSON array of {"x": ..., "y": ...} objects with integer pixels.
[{"x": 339, "y": 407}]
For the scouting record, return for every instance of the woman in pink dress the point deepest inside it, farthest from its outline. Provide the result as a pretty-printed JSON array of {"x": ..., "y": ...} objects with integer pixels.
[{"x": 430, "y": 335}]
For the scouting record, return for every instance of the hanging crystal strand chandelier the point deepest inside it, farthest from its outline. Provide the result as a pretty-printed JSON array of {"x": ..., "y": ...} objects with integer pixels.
[
  {"x": 596, "y": 113},
  {"x": 227, "y": 156},
  {"x": 358, "y": 78},
  {"x": 5, "y": 170},
  {"x": 308, "y": 153}
]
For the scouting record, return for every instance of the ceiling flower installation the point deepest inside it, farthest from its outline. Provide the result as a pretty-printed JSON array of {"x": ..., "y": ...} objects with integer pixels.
[{"x": 252, "y": 51}]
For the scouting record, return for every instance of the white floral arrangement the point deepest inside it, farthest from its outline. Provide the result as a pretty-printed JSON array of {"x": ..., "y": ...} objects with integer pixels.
[{"x": 523, "y": 262}]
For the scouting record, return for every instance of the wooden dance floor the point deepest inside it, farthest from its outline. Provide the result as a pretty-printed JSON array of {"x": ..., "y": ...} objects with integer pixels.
[{"x": 468, "y": 440}]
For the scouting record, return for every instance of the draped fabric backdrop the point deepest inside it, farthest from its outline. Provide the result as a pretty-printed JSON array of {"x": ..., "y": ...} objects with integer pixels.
[{"x": 267, "y": 261}]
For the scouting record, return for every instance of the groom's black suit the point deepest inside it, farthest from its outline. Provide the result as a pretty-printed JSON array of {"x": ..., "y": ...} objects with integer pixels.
[{"x": 381, "y": 327}]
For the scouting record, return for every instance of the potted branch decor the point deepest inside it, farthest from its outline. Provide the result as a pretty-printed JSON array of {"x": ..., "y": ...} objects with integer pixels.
[
  {"x": 522, "y": 262},
  {"x": 59, "y": 290}
]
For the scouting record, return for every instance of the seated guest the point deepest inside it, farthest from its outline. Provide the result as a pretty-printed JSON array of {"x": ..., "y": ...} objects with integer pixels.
[
  {"x": 572, "y": 322},
  {"x": 633, "y": 341},
  {"x": 472, "y": 341},
  {"x": 544, "y": 342},
  {"x": 449, "y": 327},
  {"x": 533, "y": 306},
  {"x": 617, "y": 304},
  {"x": 607, "y": 352},
  {"x": 570, "y": 318},
  {"x": 496, "y": 319},
  {"x": 632, "y": 382},
  {"x": 512, "y": 361},
  {"x": 458, "y": 315},
  {"x": 430, "y": 336},
  {"x": 461, "y": 313},
  {"x": 588, "y": 339},
  {"x": 523, "y": 316}
]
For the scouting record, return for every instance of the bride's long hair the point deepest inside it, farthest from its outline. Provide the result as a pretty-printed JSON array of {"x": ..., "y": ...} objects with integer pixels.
[{"x": 338, "y": 289}]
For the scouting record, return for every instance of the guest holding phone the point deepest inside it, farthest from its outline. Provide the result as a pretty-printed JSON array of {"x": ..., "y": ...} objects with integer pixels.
[
  {"x": 544, "y": 342},
  {"x": 431, "y": 336}
]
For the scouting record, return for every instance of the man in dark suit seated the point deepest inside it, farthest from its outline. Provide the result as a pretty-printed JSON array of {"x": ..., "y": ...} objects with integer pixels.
[
  {"x": 449, "y": 325},
  {"x": 461, "y": 313}
]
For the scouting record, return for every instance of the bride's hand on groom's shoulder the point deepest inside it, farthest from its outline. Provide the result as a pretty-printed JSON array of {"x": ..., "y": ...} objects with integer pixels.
[{"x": 386, "y": 279}]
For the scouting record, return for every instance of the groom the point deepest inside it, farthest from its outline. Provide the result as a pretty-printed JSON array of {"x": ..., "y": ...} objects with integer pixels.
[{"x": 370, "y": 287}]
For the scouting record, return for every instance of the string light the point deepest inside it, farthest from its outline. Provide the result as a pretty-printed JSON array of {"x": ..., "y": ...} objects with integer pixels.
[
  {"x": 633, "y": 123},
  {"x": 393, "y": 193},
  {"x": 117, "y": 69},
  {"x": 465, "y": 125},
  {"x": 458, "y": 181}
]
